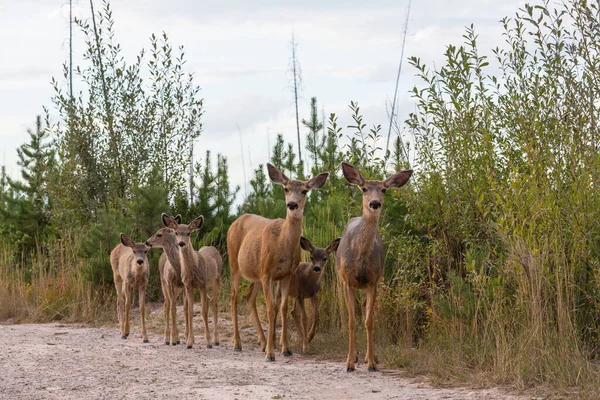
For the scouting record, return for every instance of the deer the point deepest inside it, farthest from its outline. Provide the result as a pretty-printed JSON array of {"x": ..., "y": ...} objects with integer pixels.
[
  {"x": 199, "y": 270},
  {"x": 129, "y": 261},
  {"x": 169, "y": 268},
  {"x": 265, "y": 251},
  {"x": 360, "y": 256},
  {"x": 305, "y": 284}
]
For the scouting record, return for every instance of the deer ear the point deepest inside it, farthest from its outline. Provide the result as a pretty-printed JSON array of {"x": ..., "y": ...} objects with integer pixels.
[
  {"x": 168, "y": 221},
  {"x": 306, "y": 244},
  {"x": 197, "y": 223},
  {"x": 318, "y": 181},
  {"x": 126, "y": 240},
  {"x": 276, "y": 175},
  {"x": 333, "y": 246},
  {"x": 178, "y": 218},
  {"x": 352, "y": 175},
  {"x": 398, "y": 180}
]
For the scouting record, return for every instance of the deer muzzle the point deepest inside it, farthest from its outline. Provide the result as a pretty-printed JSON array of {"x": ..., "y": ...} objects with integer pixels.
[
  {"x": 292, "y": 205},
  {"x": 181, "y": 244},
  {"x": 375, "y": 205},
  {"x": 140, "y": 261}
]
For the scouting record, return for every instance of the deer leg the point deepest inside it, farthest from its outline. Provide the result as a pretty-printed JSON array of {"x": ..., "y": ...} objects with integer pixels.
[
  {"x": 350, "y": 295},
  {"x": 251, "y": 301},
  {"x": 215, "y": 309},
  {"x": 315, "y": 308},
  {"x": 127, "y": 311},
  {"x": 178, "y": 291},
  {"x": 297, "y": 319},
  {"x": 235, "y": 284},
  {"x": 118, "y": 286},
  {"x": 370, "y": 309},
  {"x": 174, "y": 292},
  {"x": 166, "y": 312},
  {"x": 271, "y": 313},
  {"x": 189, "y": 294},
  {"x": 142, "y": 301},
  {"x": 304, "y": 323},
  {"x": 204, "y": 297},
  {"x": 285, "y": 290}
]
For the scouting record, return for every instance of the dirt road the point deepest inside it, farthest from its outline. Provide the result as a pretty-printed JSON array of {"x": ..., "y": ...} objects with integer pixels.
[{"x": 58, "y": 361}]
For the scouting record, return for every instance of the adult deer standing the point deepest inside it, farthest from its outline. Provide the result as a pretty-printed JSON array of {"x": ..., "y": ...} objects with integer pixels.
[
  {"x": 265, "y": 250},
  {"x": 169, "y": 268},
  {"x": 199, "y": 269},
  {"x": 131, "y": 269},
  {"x": 360, "y": 256}
]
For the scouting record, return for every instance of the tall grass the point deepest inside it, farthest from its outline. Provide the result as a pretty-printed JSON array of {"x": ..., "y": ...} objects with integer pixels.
[{"x": 50, "y": 286}]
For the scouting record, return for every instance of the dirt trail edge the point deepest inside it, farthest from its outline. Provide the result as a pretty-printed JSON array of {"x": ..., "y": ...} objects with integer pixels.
[{"x": 57, "y": 361}]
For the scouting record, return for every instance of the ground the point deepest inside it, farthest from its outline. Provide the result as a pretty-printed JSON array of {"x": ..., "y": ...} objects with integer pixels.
[{"x": 68, "y": 361}]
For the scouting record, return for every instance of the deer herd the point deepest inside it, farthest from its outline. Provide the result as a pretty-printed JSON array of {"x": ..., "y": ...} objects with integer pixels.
[{"x": 267, "y": 252}]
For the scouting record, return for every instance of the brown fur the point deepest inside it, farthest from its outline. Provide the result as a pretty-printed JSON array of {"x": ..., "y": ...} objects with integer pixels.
[
  {"x": 360, "y": 256},
  {"x": 199, "y": 269},
  {"x": 169, "y": 268},
  {"x": 131, "y": 269},
  {"x": 305, "y": 283},
  {"x": 266, "y": 251}
]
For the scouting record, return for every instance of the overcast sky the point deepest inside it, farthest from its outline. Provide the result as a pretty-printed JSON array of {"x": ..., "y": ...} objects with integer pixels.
[{"x": 240, "y": 54}]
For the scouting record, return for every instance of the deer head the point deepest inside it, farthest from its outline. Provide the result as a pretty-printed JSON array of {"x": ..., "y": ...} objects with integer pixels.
[
  {"x": 296, "y": 190},
  {"x": 140, "y": 250},
  {"x": 159, "y": 238},
  {"x": 373, "y": 190},
  {"x": 318, "y": 256},
  {"x": 183, "y": 231}
]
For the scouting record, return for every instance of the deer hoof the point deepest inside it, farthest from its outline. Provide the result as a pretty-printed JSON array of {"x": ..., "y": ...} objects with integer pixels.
[
  {"x": 209, "y": 346},
  {"x": 167, "y": 343},
  {"x": 287, "y": 353},
  {"x": 217, "y": 343},
  {"x": 237, "y": 349},
  {"x": 123, "y": 336},
  {"x": 350, "y": 369},
  {"x": 146, "y": 341},
  {"x": 174, "y": 343},
  {"x": 189, "y": 346},
  {"x": 270, "y": 358},
  {"x": 372, "y": 369}
]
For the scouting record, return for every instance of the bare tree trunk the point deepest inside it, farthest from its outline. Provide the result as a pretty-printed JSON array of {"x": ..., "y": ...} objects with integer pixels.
[{"x": 109, "y": 116}]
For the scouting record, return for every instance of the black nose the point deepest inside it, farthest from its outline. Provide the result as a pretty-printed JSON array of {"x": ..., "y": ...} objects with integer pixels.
[
  {"x": 181, "y": 244},
  {"x": 292, "y": 206},
  {"x": 148, "y": 244},
  {"x": 316, "y": 268},
  {"x": 140, "y": 261},
  {"x": 375, "y": 204}
]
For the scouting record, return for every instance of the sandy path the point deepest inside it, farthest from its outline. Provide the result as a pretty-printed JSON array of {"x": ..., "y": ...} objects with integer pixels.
[{"x": 57, "y": 361}]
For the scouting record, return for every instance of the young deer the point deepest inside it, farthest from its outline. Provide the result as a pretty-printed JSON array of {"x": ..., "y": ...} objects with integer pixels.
[
  {"x": 360, "y": 256},
  {"x": 199, "y": 269},
  {"x": 306, "y": 284},
  {"x": 130, "y": 267},
  {"x": 264, "y": 250},
  {"x": 169, "y": 268}
]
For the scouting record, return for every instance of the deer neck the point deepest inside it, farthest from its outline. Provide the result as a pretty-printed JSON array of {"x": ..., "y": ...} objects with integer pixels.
[
  {"x": 172, "y": 251},
  {"x": 187, "y": 257},
  {"x": 292, "y": 226},
  {"x": 367, "y": 232}
]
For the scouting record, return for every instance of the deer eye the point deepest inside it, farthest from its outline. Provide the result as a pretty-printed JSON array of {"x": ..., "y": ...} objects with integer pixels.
[
  {"x": 364, "y": 190},
  {"x": 304, "y": 192},
  {"x": 324, "y": 259},
  {"x": 159, "y": 235},
  {"x": 286, "y": 189},
  {"x": 383, "y": 190}
]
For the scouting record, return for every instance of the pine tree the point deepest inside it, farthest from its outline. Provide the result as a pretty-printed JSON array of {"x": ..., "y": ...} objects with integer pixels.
[
  {"x": 25, "y": 203},
  {"x": 314, "y": 141},
  {"x": 278, "y": 157}
]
